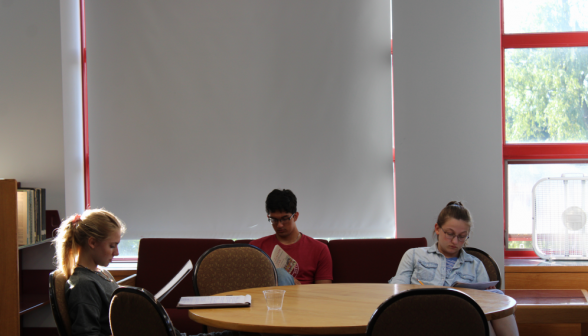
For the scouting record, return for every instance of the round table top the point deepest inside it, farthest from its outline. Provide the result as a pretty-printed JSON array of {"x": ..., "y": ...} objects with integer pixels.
[{"x": 326, "y": 308}]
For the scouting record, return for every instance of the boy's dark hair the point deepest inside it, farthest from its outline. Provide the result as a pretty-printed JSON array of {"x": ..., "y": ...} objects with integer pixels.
[{"x": 280, "y": 200}]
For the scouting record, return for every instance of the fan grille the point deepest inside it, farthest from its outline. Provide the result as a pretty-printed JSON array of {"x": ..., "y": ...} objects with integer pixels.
[{"x": 559, "y": 218}]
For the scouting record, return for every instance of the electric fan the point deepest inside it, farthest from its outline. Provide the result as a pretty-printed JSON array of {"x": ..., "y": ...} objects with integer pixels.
[{"x": 559, "y": 218}]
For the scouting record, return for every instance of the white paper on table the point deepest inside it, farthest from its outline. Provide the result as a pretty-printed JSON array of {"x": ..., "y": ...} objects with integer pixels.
[{"x": 219, "y": 301}]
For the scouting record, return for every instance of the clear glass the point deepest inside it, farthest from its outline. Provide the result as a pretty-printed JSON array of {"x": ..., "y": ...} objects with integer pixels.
[
  {"x": 546, "y": 95},
  {"x": 521, "y": 179},
  {"x": 274, "y": 298},
  {"x": 545, "y": 16}
]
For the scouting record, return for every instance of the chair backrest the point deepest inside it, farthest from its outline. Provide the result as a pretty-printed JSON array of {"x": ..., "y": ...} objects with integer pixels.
[
  {"x": 428, "y": 311},
  {"x": 232, "y": 267},
  {"x": 57, "y": 282},
  {"x": 490, "y": 264},
  {"x": 135, "y": 312}
]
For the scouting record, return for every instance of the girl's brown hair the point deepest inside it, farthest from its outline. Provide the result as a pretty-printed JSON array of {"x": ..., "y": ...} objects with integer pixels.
[
  {"x": 73, "y": 234},
  {"x": 456, "y": 210}
]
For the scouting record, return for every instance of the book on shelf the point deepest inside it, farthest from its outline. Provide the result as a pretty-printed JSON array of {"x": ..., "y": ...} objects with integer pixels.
[
  {"x": 22, "y": 217},
  {"x": 36, "y": 221},
  {"x": 215, "y": 301}
]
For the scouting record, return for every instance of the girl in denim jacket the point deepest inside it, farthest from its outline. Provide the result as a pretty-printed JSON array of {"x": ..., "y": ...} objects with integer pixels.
[{"x": 446, "y": 262}]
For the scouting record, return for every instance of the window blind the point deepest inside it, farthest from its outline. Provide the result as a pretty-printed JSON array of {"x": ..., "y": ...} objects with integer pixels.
[{"x": 198, "y": 109}]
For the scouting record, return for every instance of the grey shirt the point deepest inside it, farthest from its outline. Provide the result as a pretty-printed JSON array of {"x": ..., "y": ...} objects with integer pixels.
[{"x": 88, "y": 297}]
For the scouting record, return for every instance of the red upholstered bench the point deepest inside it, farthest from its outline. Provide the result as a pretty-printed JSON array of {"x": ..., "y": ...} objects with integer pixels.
[{"x": 369, "y": 260}]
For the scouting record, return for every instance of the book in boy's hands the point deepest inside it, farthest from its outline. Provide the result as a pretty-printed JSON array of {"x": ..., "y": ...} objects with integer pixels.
[
  {"x": 475, "y": 285},
  {"x": 281, "y": 259},
  {"x": 173, "y": 282},
  {"x": 215, "y": 301}
]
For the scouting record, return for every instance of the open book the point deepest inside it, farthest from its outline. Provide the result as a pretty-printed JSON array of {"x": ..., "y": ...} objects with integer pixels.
[
  {"x": 173, "y": 282},
  {"x": 214, "y": 301},
  {"x": 475, "y": 285},
  {"x": 281, "y": 259}
]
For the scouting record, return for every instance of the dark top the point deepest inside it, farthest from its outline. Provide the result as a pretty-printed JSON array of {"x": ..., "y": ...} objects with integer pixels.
[{"x": 88, "y": 295}]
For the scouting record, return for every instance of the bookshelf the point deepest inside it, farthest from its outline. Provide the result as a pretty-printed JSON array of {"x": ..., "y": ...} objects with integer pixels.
[{"x": 21, "y": 291}]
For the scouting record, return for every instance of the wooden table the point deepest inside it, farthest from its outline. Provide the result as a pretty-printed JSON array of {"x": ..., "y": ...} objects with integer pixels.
[
  {"x": 326, "y": 309},
  {"x": 546, "y": 306}
]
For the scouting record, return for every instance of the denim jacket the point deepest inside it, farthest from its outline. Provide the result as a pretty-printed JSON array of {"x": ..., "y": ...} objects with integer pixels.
[{"x": 427, "y": 264}]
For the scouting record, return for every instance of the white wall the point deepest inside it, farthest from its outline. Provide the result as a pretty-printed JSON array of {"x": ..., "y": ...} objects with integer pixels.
[
  {"x": 448, "y": 116},
  {"x": 31, "y": 122},
  {"x": 31, "y": 115}
]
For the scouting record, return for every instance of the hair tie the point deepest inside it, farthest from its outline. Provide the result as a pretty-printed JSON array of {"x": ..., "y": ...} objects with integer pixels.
[{"x": 76, "y": 219}]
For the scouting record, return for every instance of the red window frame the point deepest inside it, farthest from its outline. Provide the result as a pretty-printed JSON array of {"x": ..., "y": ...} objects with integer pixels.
[{"x": 539, "y": 152}]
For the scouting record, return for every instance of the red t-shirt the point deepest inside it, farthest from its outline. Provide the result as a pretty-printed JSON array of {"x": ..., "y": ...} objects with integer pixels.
[{"x": 313, "y": 257}]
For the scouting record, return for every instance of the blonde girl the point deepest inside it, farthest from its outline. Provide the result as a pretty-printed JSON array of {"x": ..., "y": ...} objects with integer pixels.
[{"x": 85, "y": 243}]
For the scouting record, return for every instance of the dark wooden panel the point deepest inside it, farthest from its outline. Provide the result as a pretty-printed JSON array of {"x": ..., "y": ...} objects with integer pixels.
[{"x": 9, "y": 286}]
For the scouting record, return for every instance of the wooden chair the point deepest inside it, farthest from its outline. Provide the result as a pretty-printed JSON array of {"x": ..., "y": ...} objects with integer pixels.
[
  {"x": 58, "y": 303},
  {"x": 135, "y": 312},
  {"x": 490, "y": 264},
  {"x": 230, "y": 267},
  {"x": 429, "y": 311}
]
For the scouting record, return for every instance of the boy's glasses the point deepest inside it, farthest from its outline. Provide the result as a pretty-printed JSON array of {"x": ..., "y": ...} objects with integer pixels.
[
  {"x": 275, "y": 221},
  {"x": 452, "y": 235}
]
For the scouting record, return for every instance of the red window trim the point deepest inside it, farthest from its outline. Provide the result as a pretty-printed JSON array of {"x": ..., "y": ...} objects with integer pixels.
[
  {"x": 545, "y": 40},
  {"x": 551, "y": 151},
  {"x": 537, "y": 152}
]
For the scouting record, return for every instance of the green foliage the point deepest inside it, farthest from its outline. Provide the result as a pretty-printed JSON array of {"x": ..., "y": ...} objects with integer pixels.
[
  {"x": 524, "y": 245},
  {"x": 546, "y": 90},
  {"x": 546, "y": 94}
]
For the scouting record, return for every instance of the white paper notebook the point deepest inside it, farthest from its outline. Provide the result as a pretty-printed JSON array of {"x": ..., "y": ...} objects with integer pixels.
[{"x": 214, "y": 301}]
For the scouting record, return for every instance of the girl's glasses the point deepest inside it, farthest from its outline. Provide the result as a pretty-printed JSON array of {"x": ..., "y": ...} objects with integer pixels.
[{"x": 452, "y": 235}]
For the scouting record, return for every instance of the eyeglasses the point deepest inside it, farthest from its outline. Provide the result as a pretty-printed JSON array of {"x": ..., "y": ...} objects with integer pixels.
[
  {"x": 284, "y": 219},
  {"x": 450, "y": 236}
]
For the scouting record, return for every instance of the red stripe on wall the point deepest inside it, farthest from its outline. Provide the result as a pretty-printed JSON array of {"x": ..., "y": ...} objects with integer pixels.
[{"x": 85, "y": 106}]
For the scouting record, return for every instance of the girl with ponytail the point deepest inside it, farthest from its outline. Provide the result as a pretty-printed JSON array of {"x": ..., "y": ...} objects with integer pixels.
[
  {"x": 83, "y": 245},
  {"x": 446, "y": 261}
]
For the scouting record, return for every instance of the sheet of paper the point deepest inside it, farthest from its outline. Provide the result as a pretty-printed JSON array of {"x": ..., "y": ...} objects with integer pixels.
[
  {"x": 477, "y": 285},
  {"x": 281, "y": 259},
  {"x": 170, "y": 285},
  {"x": 204, "y": 300}
]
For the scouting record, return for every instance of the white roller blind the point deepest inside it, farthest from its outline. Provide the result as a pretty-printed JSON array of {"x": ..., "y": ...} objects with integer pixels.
[{"x": 198, "y": 109}]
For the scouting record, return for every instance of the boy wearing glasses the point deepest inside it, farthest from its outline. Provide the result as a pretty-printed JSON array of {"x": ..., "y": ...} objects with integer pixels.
[{"x": 313, "y": 259}]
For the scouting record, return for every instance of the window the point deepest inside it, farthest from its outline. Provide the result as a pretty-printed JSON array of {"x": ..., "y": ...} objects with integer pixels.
[{"x": 545, "y": 103}]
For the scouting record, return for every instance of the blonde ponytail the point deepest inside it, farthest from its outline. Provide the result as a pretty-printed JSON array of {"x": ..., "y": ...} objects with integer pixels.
[{"x": 73, "y": 234}]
